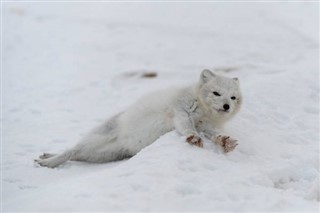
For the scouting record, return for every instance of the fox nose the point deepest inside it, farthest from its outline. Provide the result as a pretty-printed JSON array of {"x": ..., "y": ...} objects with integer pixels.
[{"x": 226, "y": 107}]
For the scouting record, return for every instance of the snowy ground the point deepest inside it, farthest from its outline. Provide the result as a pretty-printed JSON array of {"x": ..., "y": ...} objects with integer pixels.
[{"x": 66, "y": 67}]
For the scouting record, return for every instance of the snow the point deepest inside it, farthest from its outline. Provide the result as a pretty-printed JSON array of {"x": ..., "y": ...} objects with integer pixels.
[{"x": 66, "y": 67}]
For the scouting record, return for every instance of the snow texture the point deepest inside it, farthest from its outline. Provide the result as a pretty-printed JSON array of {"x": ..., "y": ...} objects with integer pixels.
[{"x": 66, "y": 67}]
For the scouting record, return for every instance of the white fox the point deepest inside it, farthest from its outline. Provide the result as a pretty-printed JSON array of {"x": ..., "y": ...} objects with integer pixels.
[{"x": 200, "y": 108}]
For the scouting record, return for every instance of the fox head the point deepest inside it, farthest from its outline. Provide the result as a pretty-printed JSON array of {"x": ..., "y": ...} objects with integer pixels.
[{"x": 220, "y": 95}]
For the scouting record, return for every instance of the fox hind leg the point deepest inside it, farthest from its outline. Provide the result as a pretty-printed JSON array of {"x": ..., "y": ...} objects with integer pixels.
[
  {"x": 89, "y": 149},
  {"x": 55, "y": 160},
  {"x": 46, "y": 155}
]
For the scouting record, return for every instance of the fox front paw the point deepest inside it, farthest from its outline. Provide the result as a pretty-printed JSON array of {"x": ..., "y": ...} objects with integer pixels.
[
  {"x": 228, "y": 144},
  {"x": 195, "y": 140}
]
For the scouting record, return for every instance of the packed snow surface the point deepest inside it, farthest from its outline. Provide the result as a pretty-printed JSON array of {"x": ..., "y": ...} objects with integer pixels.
[{"x": 67, "y": 67}]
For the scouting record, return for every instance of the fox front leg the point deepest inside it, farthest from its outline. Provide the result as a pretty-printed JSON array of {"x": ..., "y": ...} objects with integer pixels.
[
  {"x": 184, "y": 124},
  {"x": 227, "y": 143}
]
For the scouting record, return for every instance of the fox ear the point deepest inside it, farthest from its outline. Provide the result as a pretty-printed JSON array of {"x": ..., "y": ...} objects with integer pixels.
[{"x": 206, "y": 75}]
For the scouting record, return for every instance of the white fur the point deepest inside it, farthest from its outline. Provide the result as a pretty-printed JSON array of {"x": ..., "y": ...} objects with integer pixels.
[{"x": 189, "y": 110}]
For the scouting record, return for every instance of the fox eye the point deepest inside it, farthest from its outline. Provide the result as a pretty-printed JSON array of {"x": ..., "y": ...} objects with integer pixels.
[
  {"x": 233, "y": 98},
  {"x": 216, "y": 94}
]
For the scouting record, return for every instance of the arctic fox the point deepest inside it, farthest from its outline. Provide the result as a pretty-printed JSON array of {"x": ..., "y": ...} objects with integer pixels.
[{"x": 199, "y": 108}]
